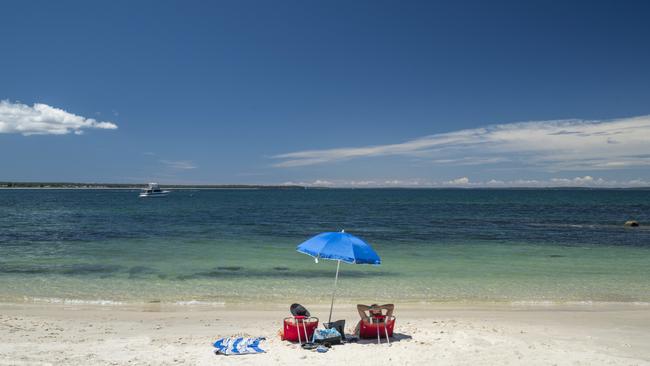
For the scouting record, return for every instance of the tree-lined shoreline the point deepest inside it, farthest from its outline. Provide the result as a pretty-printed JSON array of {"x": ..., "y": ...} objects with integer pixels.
[{"x": 73, "y": 185}]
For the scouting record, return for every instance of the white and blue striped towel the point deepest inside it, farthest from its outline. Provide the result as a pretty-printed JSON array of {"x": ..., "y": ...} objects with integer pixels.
[{"x": 238, "y": 345}]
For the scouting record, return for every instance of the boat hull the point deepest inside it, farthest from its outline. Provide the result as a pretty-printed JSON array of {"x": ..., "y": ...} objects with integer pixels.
[{"x": 154, "y": 195}]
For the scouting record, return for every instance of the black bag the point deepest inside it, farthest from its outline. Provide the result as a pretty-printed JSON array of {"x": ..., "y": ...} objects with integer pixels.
[{"x": 299, "y": 310}]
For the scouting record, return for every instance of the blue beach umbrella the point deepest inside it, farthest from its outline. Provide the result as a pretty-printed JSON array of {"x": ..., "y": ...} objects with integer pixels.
[{"x": 341, "y": 247}]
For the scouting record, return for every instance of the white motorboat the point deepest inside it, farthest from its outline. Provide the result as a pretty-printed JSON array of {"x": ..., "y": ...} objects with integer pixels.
[{"x": 153, "y": 190}]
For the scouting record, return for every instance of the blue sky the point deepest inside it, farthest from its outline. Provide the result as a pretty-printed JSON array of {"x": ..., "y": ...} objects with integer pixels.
[{"x": 337, "y": 93}]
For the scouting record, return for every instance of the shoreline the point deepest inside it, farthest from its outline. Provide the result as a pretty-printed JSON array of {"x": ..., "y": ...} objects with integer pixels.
[
  {"x": 247, "y": 303},
  {"x": 322, "y": 308},
  {"x": 55, "y": 334}
]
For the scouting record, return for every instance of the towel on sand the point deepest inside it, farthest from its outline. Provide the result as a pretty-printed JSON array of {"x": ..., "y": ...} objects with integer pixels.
[{"x": 238, "y": 345}]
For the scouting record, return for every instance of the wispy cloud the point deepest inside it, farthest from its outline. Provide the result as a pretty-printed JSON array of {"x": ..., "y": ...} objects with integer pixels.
[
  {"x": 547, "y": 145},
  {"x": 42, "y": 119},
  {"x": 465, "y": 182},
  {"x": 179, "y": 164}
]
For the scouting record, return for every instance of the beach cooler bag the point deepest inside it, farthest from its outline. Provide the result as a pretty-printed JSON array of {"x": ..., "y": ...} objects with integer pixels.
[
  {"x": 299, "y": 328},
  {"x": 379, "y": 327},
  {"x": 331, "y": 336}
]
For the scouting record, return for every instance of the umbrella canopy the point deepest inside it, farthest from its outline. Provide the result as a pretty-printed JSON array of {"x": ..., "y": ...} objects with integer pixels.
[{"x": 341, "y": 247}]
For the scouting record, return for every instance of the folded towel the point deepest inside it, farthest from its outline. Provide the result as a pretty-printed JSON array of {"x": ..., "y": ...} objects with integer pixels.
[{"x": 238, "y": 345}]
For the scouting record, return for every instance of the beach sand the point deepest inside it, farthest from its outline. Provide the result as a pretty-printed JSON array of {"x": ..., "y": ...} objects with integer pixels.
[{"x": 155, "y": 334}]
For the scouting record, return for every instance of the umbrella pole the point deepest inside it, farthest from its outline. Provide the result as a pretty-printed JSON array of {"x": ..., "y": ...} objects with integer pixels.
[{"x": 336, "y": 280}]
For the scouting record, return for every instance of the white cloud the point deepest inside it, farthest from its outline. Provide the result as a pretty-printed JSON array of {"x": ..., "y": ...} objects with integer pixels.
[
  {"x": 457, "y": 182},
  {"x": 494, "y": 182},
  {"x": 464, "y": 182},
  {"x": 586, "y": 181},
  {"x": 471, "y": 160},
  {"x": 360, "y": 183},
  {"x": 179, "y": 164},
  {"x": 42, "y": 119},
  {"x": 545, "y": 145},
  {"x": 320, "y": 182}
]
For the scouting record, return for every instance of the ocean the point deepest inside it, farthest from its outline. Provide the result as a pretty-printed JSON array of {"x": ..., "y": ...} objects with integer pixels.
[{"x": 225, "y": 246}]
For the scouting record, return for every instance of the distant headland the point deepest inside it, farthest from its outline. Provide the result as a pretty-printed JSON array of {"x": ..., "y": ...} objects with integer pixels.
[{"x": 72, "y": 185}]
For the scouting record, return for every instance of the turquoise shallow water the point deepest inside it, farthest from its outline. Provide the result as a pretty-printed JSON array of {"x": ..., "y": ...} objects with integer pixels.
[{"x": 222, "y": 246}]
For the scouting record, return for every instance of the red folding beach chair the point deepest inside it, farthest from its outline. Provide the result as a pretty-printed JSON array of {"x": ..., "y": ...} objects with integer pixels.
[
  {"x": 299, "y": 328},
  {"x": 378, "y": 326}
]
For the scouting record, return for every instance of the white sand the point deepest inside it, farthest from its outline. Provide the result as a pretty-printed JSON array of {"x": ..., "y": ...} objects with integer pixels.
[{"x": 435, "y": 334}]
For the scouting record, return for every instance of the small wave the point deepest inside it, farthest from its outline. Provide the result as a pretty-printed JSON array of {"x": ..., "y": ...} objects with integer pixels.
[
  {"x": 641, "y": 303},
  {"x": 200, "y": 303},
  {"x": 598, "y": 226},
  {"x": 56, "y": 300},
  {"x": 103, "y": 302},
  {"x": 533, "y": 303},
  {"x": 584, "y": 302},
  {"x": 576, "y": 303}
]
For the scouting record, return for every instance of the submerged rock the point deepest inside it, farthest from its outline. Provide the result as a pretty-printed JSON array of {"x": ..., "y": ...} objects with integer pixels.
[
  {"x": 631, "y": 223},
  {"x": 229, "y": 268}
]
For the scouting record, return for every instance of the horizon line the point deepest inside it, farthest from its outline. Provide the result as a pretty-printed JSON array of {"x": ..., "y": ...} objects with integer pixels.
[{"x": 123, "y": 185}]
